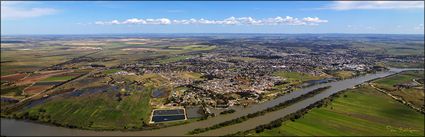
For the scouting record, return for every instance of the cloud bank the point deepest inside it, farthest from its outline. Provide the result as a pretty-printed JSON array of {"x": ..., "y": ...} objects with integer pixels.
[
  {"x": 420, "y": 27},
  {"x": 13, "y": 10},
  {"x": 375, "y": 5},
  {"x": 228, "y": 21}
]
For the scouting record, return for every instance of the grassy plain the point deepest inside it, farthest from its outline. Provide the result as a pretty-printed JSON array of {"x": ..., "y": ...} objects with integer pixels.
[
  {"x": 362, "y": 111},
  {"x": 391, "y": 48},
  {"x": 57, "y": 78},
  {"x": 414, "y": 95},
  {"x": 344, "y": 74},
  {"x": 173, "y": 59},
  {"x": 111, "y": 71},
  {"x": 35, "y": 59},
  {"x": 95, "y": 111},
  {"x": 13, "y": 91}
]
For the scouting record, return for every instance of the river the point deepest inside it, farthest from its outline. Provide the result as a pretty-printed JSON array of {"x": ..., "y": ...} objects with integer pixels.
[{"x": 10, "y": 127}]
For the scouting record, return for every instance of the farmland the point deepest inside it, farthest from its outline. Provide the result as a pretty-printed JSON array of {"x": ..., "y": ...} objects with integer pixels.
[
  {"x": 97, "y": 110},
  {"x": 114, "y": 82},
  {"x": 405, "y": 85},
  {"x": 362, "y": 111}
]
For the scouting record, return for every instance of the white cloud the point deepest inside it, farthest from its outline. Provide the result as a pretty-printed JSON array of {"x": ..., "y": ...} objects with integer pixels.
[
  {"x": 314, "y": 20},
  {"x": 228, "y": 21},
  {"x": 420, "y": 27},
  {"x": 368, "y": 5},
  {"x": 14, "y": 10}
]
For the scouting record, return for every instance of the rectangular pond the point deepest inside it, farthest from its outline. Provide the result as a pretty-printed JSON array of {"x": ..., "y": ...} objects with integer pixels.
[{"x": 165, "y": 115}]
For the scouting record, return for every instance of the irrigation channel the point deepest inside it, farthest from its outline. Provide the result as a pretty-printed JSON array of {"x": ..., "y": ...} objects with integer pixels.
[{"x": 10, "y": 127}]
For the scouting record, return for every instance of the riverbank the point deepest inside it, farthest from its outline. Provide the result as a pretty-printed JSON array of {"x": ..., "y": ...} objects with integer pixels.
[
  {"x": 360, "y": 111},
  {"x": 8, "y": 126},
  {"x": 259, "y": 113}
]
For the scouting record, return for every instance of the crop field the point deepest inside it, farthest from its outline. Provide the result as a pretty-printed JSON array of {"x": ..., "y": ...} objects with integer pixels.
[
  {"x": 393, "y": 48},
  {"x": 13, "y": 77},
  {"x": 414, "y": 94},
  {"x": 57, "y": 78},
  {"x": 404, "y": 77},
  {"x": 193, "y": 47},
  {"x": 362, "y": 111},
  {"x": 94, "y": 109},
  {"x": 31, "y": 60},
  {"x": 34, "y": 89},
  {"x": 72, "y": 81},
  {"x": 173, "y": 59},
  {"x": 44, "y": 80},
  {"x": 64, "y": 77}
]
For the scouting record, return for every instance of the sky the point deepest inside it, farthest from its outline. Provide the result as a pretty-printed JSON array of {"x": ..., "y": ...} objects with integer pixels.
[{"x": 113, "y": 17}]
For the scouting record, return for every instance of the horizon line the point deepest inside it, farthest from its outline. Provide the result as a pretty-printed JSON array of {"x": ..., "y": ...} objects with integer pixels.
[{"x": 160, "y": 33}]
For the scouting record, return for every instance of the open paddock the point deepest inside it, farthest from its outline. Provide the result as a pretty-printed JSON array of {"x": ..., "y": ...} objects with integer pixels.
[
  {"x": 39, "y": 76},
  {"x": 36, "y": 89},
  {"x": 13, "y": 77}
]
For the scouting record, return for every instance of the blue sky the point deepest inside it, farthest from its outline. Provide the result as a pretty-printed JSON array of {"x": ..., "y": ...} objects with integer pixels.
[{"x": 100, "y": 17}]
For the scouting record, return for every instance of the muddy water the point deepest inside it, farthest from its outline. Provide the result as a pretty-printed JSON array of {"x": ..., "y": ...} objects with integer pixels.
[{"x": 18, "y": 127}]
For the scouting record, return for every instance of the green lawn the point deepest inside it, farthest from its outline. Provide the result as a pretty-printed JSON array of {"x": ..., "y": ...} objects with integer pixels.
[{"x": 363, "y": 111}]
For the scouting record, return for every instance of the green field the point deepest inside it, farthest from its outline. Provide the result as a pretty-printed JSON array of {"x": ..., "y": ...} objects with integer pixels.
[
  {"x": 95, "y": 111},
  {"x": 404, "y": 77},
  {"x": 111, "y": 71},
  {"x": 57, "y": 78},
  {"x": 362, "y": 111},
  {"x": 193, "y": 47},
  {"x": 32, "y": 60},
  {"x": 397, "y": 48},
  {"x": 414, "y": 95},
  {"x": 173, "y": 59}
]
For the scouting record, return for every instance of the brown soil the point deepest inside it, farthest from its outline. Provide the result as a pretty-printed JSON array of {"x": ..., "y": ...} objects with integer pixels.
[
  {"x": 13, "y": 77},
  {"x": 39, "y": 76},
  {"x": 36, "y": 89}
]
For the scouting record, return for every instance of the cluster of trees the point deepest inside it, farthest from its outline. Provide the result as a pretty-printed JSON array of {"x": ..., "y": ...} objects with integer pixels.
[
  {"x": 42, "y": 116},
  {"x": 228, "y": 111},
  {"x": 259, "y": 113}
]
